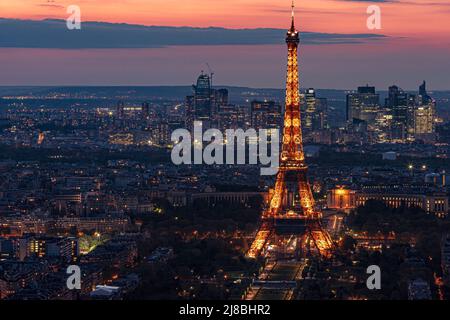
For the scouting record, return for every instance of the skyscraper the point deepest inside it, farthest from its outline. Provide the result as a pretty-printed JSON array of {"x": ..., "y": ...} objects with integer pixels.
[
  {"x": 202, "y": 98},
  {"x": 205, "y": 102},
  {"x": 423, "y": 120},
  {"x": 423, "y": 116},
  {"x": 398, "y": 102},
  {"x": 424, "y": 94},
  {"x": 396, "y": 97},
  {"x": 314, "y": 111},
  {"x": 145, "y": 110},
  {"x": 189, "y": 112},
  {"x": 220, "y": 97},
  {"x": 309, "y": 109},
  {"x": 363, "y": 105}
]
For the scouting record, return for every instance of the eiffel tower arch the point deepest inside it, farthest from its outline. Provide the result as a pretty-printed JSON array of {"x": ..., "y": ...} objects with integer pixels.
[{"x": 291, "y": 208}]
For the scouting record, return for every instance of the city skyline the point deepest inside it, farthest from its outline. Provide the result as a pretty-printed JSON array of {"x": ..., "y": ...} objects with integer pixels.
[{"x": 169, "y": 193}]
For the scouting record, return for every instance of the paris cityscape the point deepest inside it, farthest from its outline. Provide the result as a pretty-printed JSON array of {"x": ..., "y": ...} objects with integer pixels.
[{"x": 94, "y": 207}]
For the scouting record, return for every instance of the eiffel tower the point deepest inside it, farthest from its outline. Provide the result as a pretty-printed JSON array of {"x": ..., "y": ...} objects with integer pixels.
[{"x": 291, "y": 204}]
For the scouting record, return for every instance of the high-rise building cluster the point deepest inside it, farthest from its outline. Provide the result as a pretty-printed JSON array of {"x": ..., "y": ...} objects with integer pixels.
[
  {"x": 371, "y": 116},
  {"x": 404, "y": 117},
  {"x": 314, "y": 111},
  {"x": 213, "y": 108},
  {"x": 144, "y": 124},
  {"x": 206, "y": 103},
  {"x": 88, "y": 183}
]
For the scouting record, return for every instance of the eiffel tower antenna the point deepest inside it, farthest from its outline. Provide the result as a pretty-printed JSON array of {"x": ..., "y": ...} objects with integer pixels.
[{"x": 293, "y": 14}]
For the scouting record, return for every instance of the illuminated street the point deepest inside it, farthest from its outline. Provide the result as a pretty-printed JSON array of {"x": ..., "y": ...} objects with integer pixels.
[{"x": 278, "y": 281}]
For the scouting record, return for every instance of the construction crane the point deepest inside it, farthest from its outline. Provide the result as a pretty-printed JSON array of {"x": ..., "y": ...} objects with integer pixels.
[{"x": 211, "y": 73}]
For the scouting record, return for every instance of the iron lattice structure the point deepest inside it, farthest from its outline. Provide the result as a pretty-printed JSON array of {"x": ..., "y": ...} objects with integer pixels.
[{"x": 292, "y": 198}]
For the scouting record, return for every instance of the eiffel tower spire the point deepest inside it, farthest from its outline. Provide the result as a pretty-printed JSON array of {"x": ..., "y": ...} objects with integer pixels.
[
  {"x": 293, "y": 15},
  {"x": 292, "y": 34}
]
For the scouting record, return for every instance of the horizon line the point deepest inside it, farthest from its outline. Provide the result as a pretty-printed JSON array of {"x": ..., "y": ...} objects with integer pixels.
[{"x": 215, "y": 86}]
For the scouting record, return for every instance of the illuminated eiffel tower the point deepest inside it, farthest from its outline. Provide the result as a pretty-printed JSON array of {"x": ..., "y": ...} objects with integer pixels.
[{"x": 291, "y": 204}]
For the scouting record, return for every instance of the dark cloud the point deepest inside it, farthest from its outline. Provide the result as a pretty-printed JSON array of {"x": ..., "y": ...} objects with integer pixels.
[{"x": 54, "y": 34}]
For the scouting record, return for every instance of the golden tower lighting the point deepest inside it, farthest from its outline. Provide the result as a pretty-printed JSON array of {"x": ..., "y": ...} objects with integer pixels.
[{"x": 293, "y": 168}]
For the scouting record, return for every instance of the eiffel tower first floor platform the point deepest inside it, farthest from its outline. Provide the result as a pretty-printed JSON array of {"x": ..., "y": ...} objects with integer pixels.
[
  {"x": 309, "y": 230},
  {"x": 283, "y": 225}
]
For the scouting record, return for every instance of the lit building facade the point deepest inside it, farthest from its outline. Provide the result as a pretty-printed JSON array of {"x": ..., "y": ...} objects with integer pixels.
[
  {"x": 314, "y": 111},
  {"x": 345, "y": 199},
  {"x": 363, "y": 105},
  {"x": 65, "y": 249},
  {"x": 341, "y": 198},
  {"x": 202, "y": 98},
  {"x": 205, "y": 103},
  {"x": 266, "y": 115},
  {"x": 424, "y": 127},
  {"x": 233, "y": 117}
]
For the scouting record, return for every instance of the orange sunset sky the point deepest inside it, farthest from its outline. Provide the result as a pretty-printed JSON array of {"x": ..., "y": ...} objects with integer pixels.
[
  {"x": 430, "y": 18},
  {"x": 417, "y": 46}
]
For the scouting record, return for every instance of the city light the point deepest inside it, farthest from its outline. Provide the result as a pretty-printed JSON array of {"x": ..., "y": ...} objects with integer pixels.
[{"x": 129, "y": 173}]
